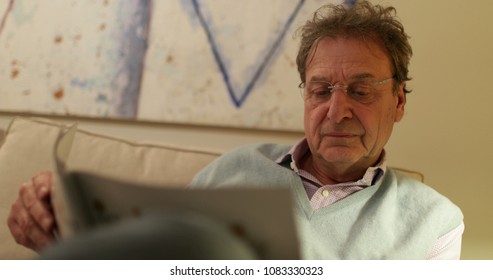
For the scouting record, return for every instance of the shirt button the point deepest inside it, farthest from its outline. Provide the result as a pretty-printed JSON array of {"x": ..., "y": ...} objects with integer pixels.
[
  {"x": 325, "y": 193},
  {"x": 292, "y": 165}
]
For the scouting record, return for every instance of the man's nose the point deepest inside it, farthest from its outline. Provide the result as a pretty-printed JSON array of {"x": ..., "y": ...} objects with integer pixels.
[{"x": 339, "y": 106}]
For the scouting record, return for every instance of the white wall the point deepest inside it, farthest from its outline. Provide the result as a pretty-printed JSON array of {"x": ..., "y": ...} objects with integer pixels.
[{"x": 447, "y": 132}]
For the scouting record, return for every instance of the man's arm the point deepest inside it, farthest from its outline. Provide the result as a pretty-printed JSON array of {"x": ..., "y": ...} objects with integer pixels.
[{"x": 448, "y": 247}]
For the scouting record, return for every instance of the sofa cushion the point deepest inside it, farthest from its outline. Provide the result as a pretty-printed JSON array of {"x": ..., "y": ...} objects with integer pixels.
[{"x": 28, "y": 148}]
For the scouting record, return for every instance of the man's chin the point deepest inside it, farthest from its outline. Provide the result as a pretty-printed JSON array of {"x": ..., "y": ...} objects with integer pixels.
[{"x": 340, "y": 154}]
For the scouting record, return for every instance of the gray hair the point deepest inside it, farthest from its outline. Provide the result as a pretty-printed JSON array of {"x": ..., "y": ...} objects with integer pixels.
[{"x": 365, "y": 21}]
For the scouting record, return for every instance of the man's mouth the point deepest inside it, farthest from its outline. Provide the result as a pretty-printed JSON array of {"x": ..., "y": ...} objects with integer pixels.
[{"x": 340, "y": 135}]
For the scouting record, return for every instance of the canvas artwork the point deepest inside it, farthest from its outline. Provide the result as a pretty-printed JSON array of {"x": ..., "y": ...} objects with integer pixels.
[{"x": 202, "y": 62}]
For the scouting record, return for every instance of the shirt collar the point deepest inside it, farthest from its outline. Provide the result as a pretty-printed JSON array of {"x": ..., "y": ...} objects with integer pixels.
[{"x": 297, "y": 151}]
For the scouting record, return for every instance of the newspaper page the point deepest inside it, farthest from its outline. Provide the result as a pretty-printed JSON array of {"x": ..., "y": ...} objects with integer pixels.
[{"x": 263, "y": 217}]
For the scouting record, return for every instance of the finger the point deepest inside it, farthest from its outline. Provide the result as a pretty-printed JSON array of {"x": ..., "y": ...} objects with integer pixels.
[
  {"x": 20, "y": 215},
  {"x": 25, "y": 230},
  {"x": 37, "y": 210},
  {"x": 32, "y": 237},
  {"x": 42, "y": 183},
  {"x": 38, "y": 237},
  {"x": 20, "y": 237},
  {"x": 14, "y": 227}
]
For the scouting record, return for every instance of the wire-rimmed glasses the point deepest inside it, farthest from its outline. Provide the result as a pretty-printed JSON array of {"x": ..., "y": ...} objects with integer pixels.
[{"x": 362, "y": 90}]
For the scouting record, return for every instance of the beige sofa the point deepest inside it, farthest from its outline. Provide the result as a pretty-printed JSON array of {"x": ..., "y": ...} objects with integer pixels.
[{"x": 27, "y": 148}]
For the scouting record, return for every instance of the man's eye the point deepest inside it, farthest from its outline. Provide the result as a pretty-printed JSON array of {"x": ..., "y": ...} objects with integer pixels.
[
  {"x": 359, "y": 90},
  {"x": 321, "y": 92},
  {"x": 359, "y": 93}
]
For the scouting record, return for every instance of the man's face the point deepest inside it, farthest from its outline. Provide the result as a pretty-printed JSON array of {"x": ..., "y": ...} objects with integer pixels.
[{"x": 345, "y": 131}]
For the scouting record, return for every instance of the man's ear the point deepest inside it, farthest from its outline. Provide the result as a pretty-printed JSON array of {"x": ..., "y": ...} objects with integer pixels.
[{"x": 400, "y": 103}]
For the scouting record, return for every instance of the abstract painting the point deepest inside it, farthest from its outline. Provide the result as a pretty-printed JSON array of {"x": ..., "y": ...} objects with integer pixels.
[{"x": 202, "y": 62}]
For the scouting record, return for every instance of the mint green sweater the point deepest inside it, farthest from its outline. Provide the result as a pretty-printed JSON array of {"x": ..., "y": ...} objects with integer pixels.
[{"x": 397, "y": 218}]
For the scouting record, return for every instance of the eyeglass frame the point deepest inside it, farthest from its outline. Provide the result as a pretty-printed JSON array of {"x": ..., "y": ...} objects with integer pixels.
[{"x": 345, "y": 87}]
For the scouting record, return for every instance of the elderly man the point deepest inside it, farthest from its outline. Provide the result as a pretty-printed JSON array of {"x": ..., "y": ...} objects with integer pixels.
[{"x": 353, "y": 65}]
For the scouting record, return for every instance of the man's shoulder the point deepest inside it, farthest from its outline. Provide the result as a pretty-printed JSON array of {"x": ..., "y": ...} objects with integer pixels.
[
  {"x": 406, "y": 184},
  {"x": 419, "y": 197},
  {"x": 253, "y": 164},
  {"x": 269, "y": 151}
]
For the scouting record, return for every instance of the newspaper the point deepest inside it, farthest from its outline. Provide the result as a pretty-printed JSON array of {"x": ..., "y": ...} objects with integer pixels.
[{"x": 84, "y": 201}]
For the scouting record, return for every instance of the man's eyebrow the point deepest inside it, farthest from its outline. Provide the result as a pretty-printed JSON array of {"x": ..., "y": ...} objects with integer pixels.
[
  {"x": 319, "y": 79},
  {"x": 359, "y": 76},
  {"x": 364, "y": 75}
]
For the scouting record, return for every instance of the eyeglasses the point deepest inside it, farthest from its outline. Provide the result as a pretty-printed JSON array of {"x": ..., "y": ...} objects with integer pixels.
[{"x": 361, "y": 90}]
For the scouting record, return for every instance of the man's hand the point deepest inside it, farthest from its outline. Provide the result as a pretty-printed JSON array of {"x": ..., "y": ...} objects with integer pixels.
[{"x": 31, "y": 220}]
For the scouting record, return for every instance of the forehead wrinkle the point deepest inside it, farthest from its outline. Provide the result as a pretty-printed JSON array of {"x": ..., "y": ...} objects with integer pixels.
[
  {"x": 362, "y": 75},
  {"x": 320, "y": 79},
  {"x": 340, "y": 66},
  {"x": 358, "y": 76}
]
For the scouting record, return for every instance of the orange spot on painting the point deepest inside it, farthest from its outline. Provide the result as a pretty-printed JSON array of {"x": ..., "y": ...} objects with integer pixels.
[
  {"x": 58, "y": 94},
  {"x": 169, "y": 59},
  {"x": 14, "y": 73},
  {"x": 58, "y": 39},
  {"x": 102, "y": 27}
]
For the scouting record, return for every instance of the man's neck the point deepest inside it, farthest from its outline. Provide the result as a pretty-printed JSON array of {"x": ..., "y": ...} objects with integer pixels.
[{"x": 329, "y": 174}]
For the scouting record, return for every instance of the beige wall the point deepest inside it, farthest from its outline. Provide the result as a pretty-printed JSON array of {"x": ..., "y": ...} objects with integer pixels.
[{"x": 447, "y": 131}]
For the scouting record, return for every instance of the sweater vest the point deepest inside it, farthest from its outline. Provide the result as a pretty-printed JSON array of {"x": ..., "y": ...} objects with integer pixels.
[{"x": 396, "y": 218}]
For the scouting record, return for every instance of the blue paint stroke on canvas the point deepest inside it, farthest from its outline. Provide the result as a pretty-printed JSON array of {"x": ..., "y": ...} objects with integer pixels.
[
  {"x": 125, "y": 53},
  {"x": 5, "y": 15},
  {"x": 129, "y": 57},
  {"x": 239, "y": 94}
]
